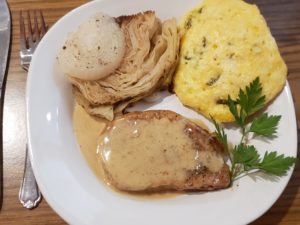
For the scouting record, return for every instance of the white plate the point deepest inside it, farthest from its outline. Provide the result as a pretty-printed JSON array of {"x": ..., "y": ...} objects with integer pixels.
[{"x": 68, "y": 184}]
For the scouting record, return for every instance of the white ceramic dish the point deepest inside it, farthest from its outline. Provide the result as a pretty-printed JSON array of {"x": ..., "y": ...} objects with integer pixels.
[{"x": 68, "y": 184}]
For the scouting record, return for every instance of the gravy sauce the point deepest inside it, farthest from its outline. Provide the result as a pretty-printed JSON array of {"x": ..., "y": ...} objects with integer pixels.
[
  {"x": 140, "y": 154},
  {"x": 136, "y": 152},
  {"x": 87, "y": 131}
]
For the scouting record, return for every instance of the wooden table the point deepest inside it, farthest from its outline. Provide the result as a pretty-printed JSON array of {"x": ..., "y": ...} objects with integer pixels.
[{"x": 283, "y": 17}]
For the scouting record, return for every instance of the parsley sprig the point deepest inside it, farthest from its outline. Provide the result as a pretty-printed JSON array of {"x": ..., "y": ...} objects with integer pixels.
[{"x": 245, "y": 158}]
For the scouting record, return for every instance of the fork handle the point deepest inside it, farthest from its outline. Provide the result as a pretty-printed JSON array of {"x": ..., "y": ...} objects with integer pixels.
[{"x": 29, "y": 194}]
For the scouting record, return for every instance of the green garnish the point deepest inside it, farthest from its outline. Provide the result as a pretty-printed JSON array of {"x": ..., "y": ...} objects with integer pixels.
[
  {"x": 248, "y": 102},
  {"x": 245, "y": 158},
  {"x": 265, "y": 125},
  {"x": 276, "y": 164},
  {"x": 222, "y": 137}
]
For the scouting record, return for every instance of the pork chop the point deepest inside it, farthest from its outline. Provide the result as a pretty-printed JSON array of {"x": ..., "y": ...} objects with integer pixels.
[{"x": 161, "y": 150}]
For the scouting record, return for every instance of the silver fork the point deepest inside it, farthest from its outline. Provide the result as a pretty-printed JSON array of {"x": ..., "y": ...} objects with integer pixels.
[{"x": 29, "y": 194}]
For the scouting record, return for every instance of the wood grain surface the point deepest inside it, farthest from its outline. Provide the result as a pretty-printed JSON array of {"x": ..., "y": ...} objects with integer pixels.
[{"x": 283, "y": 17}]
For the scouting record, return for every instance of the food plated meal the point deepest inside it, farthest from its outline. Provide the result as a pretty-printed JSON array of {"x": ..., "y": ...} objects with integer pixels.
[
  {"x": 182, "y": 156},
  {"x": 161, "y": 150},
  {"x": 98, "y": 195}
]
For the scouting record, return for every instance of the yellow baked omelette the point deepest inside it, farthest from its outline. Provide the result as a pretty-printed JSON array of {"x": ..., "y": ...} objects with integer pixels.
[{"x": 225, "y": 45}]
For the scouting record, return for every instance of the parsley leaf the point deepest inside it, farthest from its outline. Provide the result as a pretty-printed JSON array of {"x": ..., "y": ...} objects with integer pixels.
[
  {"x": 221, "y": 136},
  {"x": 251, "y": 99},
  {"x": 276, "y": 164},
  {"x": 265, "y": 125},
  {"x": 234, "y": 111},
  {"x": 246, "y": 155},
  {"x": 245, "y": 158},
  {"x": 220, "y": 133}
]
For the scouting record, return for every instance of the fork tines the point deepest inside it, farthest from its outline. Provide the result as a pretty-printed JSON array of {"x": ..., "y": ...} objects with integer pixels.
[{"x": 31, "y": 36}]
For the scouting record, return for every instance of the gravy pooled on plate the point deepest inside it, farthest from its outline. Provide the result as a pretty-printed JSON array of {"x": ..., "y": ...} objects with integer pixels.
[{"x": 87, "y": 130}]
